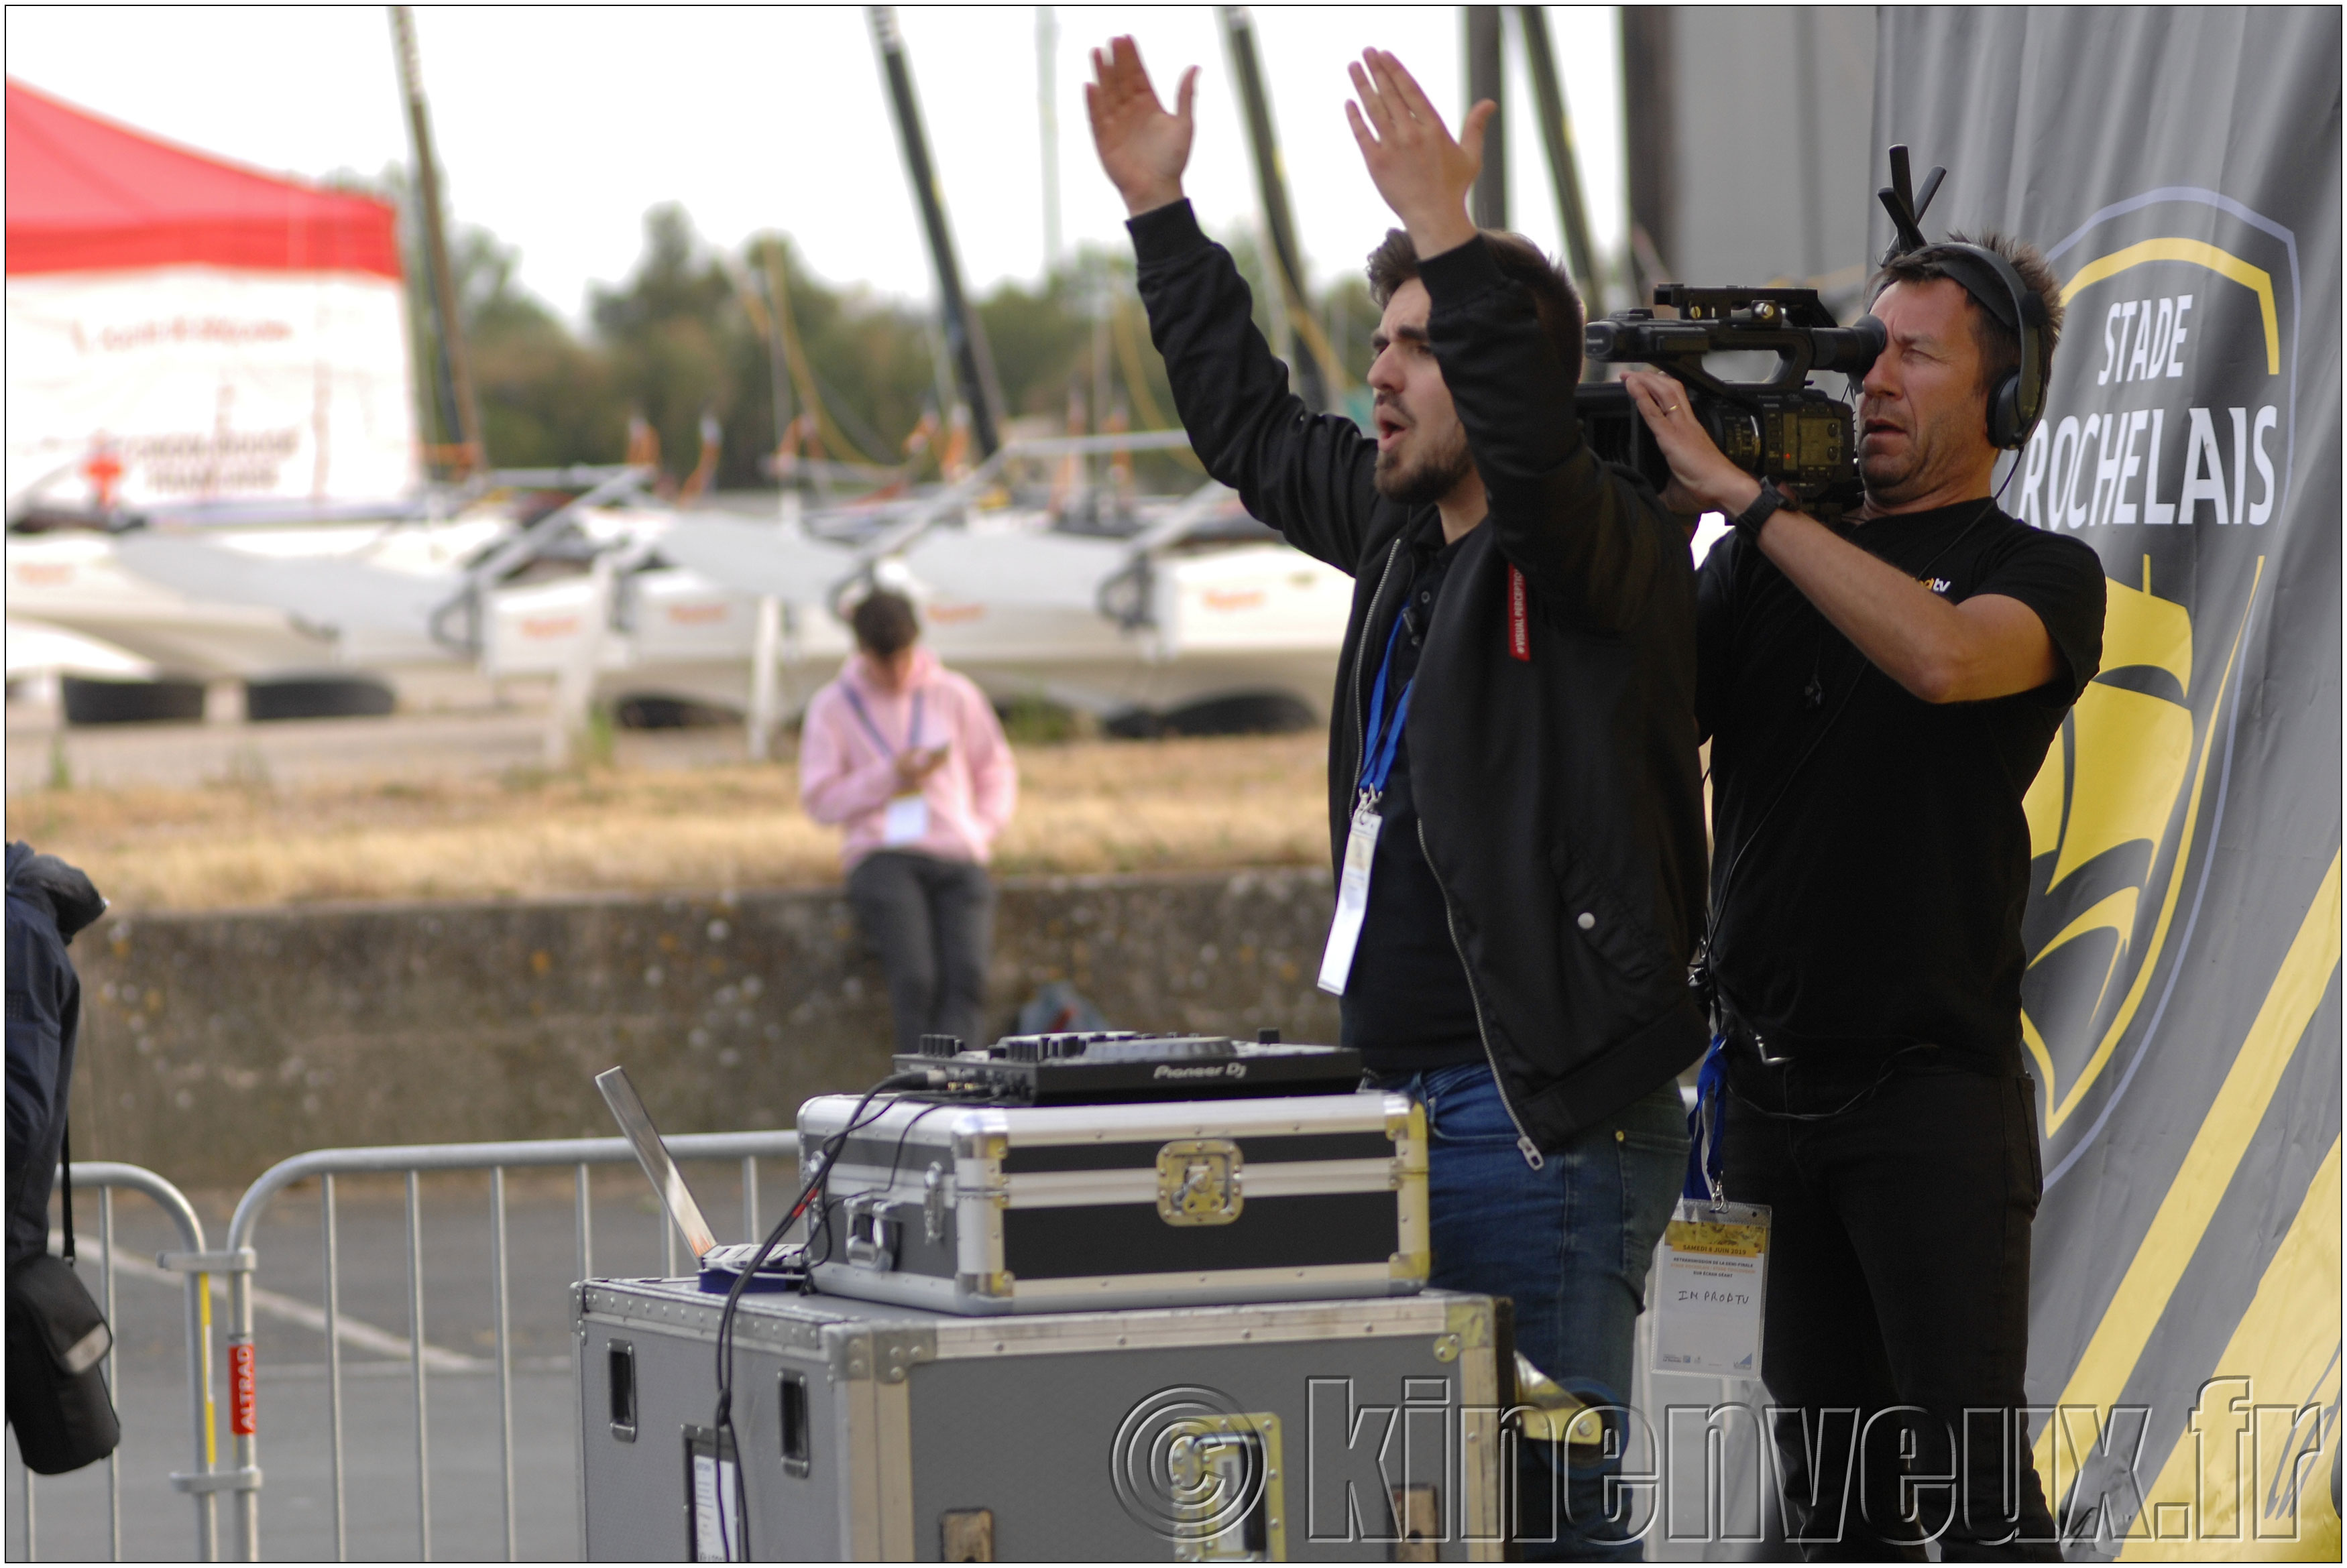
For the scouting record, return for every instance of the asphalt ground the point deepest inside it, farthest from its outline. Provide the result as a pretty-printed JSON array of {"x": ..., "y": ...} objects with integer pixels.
[{"x": 68, "y": 1517}]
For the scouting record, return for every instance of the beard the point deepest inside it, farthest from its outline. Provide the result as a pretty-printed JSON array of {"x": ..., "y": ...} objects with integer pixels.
[
  {"x": 1934, "y": 450},
  {"x": 1894, "y": 481},
  {"x": 1431, "y": 475}
]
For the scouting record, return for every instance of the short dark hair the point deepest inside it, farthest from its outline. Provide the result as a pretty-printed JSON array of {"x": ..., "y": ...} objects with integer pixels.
[
  {"x": 884, "y": 623},
  {"x": 2000, "y": 345},
  {"x": 1394, "y": 262}
]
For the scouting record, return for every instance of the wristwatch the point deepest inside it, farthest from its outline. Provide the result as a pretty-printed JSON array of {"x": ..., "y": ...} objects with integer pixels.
[{"x": 1764, "y": 506}]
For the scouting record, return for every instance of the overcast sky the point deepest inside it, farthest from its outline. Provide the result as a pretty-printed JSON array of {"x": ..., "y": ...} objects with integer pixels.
[{"x": 558, "y": 127}]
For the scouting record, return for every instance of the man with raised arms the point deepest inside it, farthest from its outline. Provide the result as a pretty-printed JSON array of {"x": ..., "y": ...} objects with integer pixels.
[{"x": 1514, "y": 802}]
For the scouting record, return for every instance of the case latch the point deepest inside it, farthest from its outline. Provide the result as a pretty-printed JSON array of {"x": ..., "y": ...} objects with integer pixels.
[
  {"x": 1198, "y": 1182},
  {"x": 873, "y": 1232}
]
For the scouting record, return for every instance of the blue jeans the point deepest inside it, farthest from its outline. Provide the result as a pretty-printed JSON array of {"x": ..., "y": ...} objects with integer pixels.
[{"x": 1570, "y": 1244}]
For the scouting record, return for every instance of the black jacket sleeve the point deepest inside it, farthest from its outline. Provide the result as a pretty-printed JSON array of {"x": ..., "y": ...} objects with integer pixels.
[
  {"x": 1592, "y": 547},
  {"x": 1311, "y": 476}
]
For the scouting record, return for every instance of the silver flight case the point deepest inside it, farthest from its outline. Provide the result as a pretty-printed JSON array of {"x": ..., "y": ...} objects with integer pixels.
[
  {"x": 988, "y": 1209},
  {"x": 1295, "y": 1431}
]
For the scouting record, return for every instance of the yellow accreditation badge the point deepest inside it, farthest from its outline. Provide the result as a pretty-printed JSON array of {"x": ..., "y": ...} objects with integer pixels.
[{"x": 1711, "y": 1285}]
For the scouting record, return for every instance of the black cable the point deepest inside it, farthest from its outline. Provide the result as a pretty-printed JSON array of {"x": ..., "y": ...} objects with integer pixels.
[
  {"x": 1728, "y": 878},
  {"x": 1881, "y": 1077},
  {"x": 722, "y": 1422},
  {"x": 896, "y": 1162}
]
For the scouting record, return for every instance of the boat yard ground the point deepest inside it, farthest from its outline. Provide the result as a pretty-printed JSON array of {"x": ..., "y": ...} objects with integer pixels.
[{"x": 458, "y": 806}]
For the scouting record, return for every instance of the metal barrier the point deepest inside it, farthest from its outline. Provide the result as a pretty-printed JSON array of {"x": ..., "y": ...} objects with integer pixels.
[
  {"x": 411, "y": 1160},
  {"x": 198, "y": 1264}
]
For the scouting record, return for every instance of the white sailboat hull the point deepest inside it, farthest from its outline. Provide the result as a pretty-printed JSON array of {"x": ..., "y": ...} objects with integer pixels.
[
  {"x": 90, "y": 584},
  {"x": 1240, "y": 621}
]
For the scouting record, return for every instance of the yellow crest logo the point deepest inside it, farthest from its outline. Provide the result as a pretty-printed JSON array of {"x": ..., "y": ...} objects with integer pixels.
[
  {"x": 2114, "y": 807},
  {"x": 2171, "y": 416}
]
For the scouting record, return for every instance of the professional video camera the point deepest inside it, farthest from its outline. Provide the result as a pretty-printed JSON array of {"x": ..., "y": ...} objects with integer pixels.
[{"x": 1782, "y": 430}]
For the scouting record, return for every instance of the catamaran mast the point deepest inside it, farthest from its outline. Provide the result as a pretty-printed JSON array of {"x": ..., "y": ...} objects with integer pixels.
[
  {"x": 1285, "y": 260},
  {"x": 1486, "y": 71},
  {"x": 965, "y": 337},
  {"x": 456, "y": 369},
  {"x": 1563, "y": 160},
  {"x": 1047, "y": 51}
]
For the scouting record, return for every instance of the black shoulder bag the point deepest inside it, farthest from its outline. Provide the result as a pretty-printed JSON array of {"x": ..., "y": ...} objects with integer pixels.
[{"x": 58, "y": 1399}]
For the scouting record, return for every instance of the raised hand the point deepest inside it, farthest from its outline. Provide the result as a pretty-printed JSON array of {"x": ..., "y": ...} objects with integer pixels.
[
  {"x": 1421, "y": 172},
  {"x": 1144, "y": 148}
]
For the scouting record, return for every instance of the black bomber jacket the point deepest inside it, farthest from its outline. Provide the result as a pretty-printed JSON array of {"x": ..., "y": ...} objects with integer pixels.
[{"x": 1558, "y": 794}]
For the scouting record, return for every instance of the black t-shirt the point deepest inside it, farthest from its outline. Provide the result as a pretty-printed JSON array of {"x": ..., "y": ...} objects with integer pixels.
[
  {"x": 1871, "y": 859},
  {"x": 1407, "y": 1007}
]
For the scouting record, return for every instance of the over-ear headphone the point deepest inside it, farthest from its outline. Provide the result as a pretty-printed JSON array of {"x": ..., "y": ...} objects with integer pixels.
[{"x": 2018, "y": 401}]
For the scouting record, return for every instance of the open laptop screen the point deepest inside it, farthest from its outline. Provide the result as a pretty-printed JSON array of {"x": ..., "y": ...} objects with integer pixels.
[{"x": 652, "y": 1155}]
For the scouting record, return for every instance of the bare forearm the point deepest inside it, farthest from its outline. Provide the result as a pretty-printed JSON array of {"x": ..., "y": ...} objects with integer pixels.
[
  {"x": 1895, "y": 621},
  {"x": 1940, "y": 652}
]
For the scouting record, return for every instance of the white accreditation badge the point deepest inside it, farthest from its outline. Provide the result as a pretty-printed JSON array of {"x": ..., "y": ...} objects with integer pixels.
[
  {"x": 1711, "y": 1287},
  {"x": 1352, "y": 899},
  {"x": 1381, "y": 741},
  {"x": 907, "y": 821}
]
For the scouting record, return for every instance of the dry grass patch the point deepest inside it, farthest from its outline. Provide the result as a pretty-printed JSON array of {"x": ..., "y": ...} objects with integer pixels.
[{"x": 1084, "y": 806}]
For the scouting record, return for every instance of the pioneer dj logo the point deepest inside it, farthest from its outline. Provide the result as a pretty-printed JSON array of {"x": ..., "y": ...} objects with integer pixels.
[
  {"x": 1213, "y": 1070},
  {"x": 2172, "y": 412}
]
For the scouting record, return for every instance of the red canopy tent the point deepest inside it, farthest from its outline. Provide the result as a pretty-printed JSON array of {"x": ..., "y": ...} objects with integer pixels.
[{"x": 85, "y": 195}]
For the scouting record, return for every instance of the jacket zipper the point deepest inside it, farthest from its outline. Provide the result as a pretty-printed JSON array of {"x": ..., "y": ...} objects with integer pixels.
[{"x": 1524, "y": 1144}]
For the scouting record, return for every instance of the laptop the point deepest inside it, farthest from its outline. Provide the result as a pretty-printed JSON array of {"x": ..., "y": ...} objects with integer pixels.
[{"x": 660, "y": 1169}]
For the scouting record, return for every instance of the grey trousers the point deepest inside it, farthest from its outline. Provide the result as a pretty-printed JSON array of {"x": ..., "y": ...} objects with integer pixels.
[{"x": 930, "y": 923}]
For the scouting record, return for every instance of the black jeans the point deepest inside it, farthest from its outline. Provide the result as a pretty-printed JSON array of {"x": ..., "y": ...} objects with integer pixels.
[
  {"x": 1898, "y": 1309},
  {"x": 930, "y": 923}
]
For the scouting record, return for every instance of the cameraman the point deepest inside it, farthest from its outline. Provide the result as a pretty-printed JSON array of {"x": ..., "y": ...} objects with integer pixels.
[
  {"x": 1878, "y": 701},
  {"x": 1512, "y": 746}
]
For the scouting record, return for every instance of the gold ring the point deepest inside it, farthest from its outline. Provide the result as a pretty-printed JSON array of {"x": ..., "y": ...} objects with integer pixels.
[{"x": 1670, "y": 408}]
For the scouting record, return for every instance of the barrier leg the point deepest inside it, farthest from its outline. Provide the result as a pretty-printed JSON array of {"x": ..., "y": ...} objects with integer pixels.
[
  {"x": 504, "y": 1349},
  {"x": 583, "y": 1200},
  {"x": 416, "y": 1364},
  {"x": 114, "y": 1460},
  {"x": 243, "y": 1422},
  {"x": 330, "y": 1232}
]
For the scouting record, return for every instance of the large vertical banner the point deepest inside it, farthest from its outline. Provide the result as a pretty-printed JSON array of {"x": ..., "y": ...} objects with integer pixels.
[{"x": 2180, "y": 168}]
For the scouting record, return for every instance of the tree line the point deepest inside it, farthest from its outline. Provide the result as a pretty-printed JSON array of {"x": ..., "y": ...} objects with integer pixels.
[{"x": 694, "y": 334}]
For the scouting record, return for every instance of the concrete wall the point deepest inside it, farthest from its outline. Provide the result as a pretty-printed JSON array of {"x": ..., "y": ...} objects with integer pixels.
[{"x": 213, "y": 1046}]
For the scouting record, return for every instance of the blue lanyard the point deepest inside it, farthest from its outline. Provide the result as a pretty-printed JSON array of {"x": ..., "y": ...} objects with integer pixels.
[
  {"x": 912, "y": 732},
  {"x": 1704, "y": 1155},
  {"x": 1377, "y": 762}
]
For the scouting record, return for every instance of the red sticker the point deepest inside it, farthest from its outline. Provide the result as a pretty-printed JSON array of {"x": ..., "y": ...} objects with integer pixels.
[
  {"x": 239, "y": 1390},
  {"x": 1519, "y": 619}
]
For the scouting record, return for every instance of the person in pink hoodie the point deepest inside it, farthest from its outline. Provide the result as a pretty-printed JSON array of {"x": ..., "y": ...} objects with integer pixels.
[{"x": 910, "y": 759}]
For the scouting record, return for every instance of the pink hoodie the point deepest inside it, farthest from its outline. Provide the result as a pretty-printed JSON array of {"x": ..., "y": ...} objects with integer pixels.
[{"x": 845, "y": 775}]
